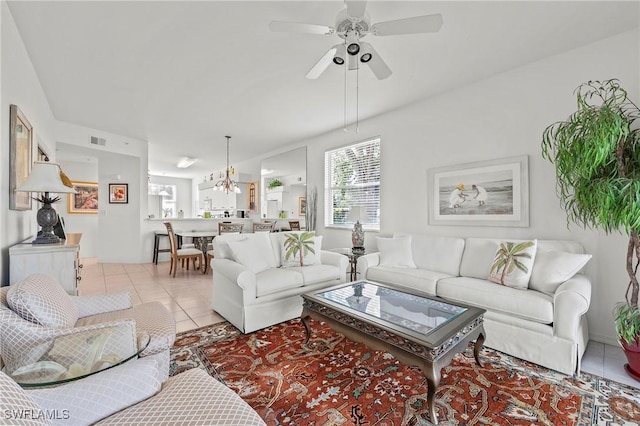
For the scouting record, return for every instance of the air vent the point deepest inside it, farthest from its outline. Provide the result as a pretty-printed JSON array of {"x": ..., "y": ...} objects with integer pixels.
[{"x": 98, "y": 141}]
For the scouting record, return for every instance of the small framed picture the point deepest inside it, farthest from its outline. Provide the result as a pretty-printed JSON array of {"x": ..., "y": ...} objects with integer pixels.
[
  {"x": 118, "y": 193},
  {"x": 302, "y": 206}
]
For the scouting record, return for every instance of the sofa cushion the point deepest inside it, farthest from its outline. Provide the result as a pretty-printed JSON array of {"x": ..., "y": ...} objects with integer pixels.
[
  {"x": 317, "y": 273},
  {"x": 435, "y": 253},
  {"x": 221, "y": 245},
  {"x": 248, "y": 253},
  {"x": 418, "y": 279},
  {"x": 290, "y": 245},
  {"x": 40, "y": 299},
  {"x": 553, "y": 267},
  {"x": 274, "y": 280},
  {"x": 396, "y": 252},
  {"x": 513, "y": 263},
  {"x": 527, "y": 304}
]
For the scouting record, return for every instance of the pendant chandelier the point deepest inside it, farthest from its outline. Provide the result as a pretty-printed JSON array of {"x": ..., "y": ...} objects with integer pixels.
[{"x": 227, "y": 185}]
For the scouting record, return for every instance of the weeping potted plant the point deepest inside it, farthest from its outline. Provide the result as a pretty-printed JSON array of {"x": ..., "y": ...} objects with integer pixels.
[{"x": 596, "y": 154}]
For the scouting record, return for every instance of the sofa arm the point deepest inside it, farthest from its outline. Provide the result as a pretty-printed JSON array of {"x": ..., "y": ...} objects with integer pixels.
[
  {"x": 570, "y": 302},
  {"x": 334, "y": 259},
  {"x": 232, "y": 276},
  {"x": 367, "y": 261},
  {"x": 101, "y": 303}
]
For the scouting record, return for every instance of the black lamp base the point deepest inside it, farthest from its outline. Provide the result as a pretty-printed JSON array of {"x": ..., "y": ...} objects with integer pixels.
[{"x": 47, "y": 218}]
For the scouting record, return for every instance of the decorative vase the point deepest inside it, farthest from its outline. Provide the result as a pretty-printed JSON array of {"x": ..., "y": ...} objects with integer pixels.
[
  {"x": 357, "y": 235},
  {"x": 633, "y": 357}
]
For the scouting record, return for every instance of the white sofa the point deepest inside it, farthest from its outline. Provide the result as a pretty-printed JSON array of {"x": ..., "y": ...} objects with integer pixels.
[
  {"x": 542, "y": 324},
  {"x": 252, "y": 290}
]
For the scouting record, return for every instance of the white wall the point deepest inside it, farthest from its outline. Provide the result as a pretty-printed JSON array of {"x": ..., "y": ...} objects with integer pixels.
[
  {"x": 86, "y": 223},
  {"x": 20, "y": 86},
  {"x": 123, "y": 160},
  {"x": 498, "y": 117}
]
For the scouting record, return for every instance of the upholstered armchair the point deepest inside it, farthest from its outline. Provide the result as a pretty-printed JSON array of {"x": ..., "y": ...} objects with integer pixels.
[
  {"x": 37, "y": 312},
  {"x": 128, "y": 394}
]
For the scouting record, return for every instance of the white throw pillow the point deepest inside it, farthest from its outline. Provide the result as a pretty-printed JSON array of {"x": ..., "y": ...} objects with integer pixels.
[
  {"x": 40, "y": 299},
  {"x": 289, "y": 248},
  {"x": 552, "y": 268},
  {"x": 396, "y": 252},
  {"x": 513, "y": 264},
  {"x": 249, "y": 254}
]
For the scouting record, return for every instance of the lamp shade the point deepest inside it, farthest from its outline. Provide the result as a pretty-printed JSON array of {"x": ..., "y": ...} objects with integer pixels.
[
  {"x": 358, "y": 213},
  {"x": 45, "y": 177}
]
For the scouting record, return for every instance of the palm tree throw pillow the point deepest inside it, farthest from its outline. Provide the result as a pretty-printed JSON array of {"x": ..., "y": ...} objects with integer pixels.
[
  {"x": 298, "y": 249},
  {"x": 513, "y": 264}
]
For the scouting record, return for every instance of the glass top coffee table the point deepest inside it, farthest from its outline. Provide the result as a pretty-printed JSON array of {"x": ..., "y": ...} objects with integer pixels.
[
  {"x": 70, "y": 357},
  {"x": 415, "y": 328}
]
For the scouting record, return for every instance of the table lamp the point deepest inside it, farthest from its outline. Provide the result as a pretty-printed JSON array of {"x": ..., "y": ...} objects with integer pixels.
[
  {"x": 358, "y": 213},
  {"x": 46, "y": 177}
]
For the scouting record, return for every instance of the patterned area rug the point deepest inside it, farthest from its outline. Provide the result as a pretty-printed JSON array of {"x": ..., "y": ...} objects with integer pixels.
[{"x": 335, "y": 381}]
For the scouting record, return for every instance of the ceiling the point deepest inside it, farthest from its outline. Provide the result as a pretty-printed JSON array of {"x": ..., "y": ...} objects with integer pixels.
[{"x": 182, "y": 75}]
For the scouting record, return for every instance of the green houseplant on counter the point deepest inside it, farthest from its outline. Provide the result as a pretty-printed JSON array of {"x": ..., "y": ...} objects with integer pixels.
[
  {"x": 275, "y": 183},
  {"x": 596, "y": 154}
]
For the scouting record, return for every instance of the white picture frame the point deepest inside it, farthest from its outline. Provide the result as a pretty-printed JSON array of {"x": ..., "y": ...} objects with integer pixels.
[{"x": 494, "y": 193}]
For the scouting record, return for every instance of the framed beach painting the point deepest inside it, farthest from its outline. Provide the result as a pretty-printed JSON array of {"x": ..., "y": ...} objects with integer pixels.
[
  {"x": 20, "y": 158},
  {"x": 85, "y": 200},
  {"x": 485, "y": 193}
]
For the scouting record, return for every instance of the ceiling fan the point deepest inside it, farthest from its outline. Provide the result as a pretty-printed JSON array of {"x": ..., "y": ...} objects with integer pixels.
[{"x": 353, "y": 24}]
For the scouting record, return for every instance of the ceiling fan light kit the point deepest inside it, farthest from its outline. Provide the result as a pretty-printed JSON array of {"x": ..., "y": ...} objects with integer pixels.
[{"x": 352, "y": 24}]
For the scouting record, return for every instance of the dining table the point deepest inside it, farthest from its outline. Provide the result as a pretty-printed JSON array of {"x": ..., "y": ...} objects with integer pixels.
[{"x": 201, "y": 240}]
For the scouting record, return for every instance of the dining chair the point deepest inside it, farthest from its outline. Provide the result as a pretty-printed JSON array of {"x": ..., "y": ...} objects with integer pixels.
[
  {"x": 225, "y": 228},
  {"x": 294, "y": 225},
  {"x": 182, "y": 254},
  {"x": 262, "y": 227}
]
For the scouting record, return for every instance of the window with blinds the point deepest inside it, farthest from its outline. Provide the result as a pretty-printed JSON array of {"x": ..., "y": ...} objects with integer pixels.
[{"x": 352, "y": 179}]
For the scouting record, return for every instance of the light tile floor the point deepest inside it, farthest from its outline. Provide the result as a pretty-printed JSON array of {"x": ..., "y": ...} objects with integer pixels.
[{"x": 188, "y": 297}]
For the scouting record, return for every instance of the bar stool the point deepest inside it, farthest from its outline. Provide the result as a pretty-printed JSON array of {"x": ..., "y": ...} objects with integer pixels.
[{"x": 156, "y": 245}]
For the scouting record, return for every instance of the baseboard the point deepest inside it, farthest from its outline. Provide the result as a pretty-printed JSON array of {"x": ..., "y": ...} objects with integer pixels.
[{"x": 604, "y": 338}]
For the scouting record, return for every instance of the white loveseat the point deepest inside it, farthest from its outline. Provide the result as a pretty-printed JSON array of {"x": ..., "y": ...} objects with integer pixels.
[
  {"x": 252, "y": 290},
  {"x": 544, "y": 324}
]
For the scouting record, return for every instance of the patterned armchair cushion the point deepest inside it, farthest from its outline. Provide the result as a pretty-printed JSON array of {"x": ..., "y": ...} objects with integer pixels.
[
  {"x": 189, "y": 398},
  {"x": 88, "y": 400},
  {"x": 40, "y": 299},
  {"x": 16, "y": 407}
]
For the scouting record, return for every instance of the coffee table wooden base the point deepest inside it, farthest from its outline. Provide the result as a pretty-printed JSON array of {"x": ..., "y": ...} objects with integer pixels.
[{"x": 430, "y": 368}]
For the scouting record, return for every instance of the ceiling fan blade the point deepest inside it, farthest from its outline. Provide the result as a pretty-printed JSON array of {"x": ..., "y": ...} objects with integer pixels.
[
  {"x": 415, "y": 25},
  {"x": 355, "y": 8},
  {"x": 322, "y": 64},
  {"x": 377, "y": 65},
  {"x": 296, "y": 27}
]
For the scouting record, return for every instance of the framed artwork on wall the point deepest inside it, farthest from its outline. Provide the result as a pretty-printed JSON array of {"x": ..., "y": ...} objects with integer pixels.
[
  {"x": 20, "y": 158},
  {"x": 484, "y": 193},
  {"x": 85, "y": 201},
  {"x": 302, "y": 206},
  {"x": 118, "y": 193}
]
